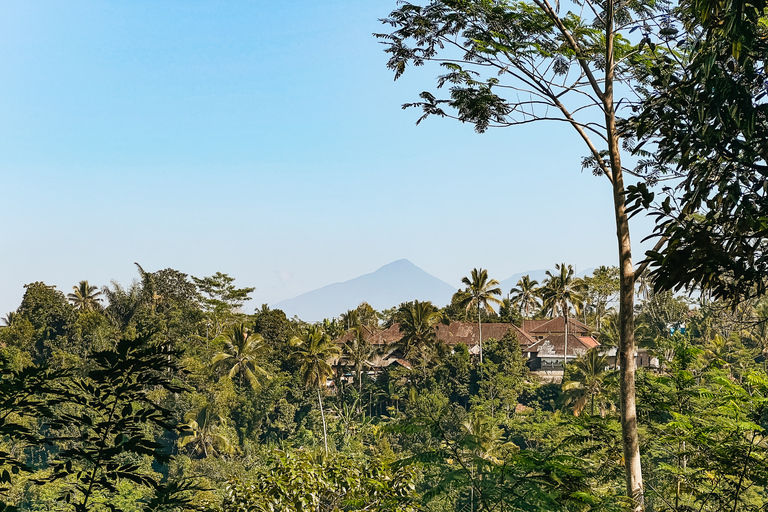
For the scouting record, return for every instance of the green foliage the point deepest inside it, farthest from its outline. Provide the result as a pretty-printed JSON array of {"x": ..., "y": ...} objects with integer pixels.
[
  {"x": 241, "y": 354},
  {"x": 589, "y": 382},
  {"x": 357, "y": 350},
  {"x": 480, "y": 293},
  {"x": 50, "y": 314},
  {"x": 313, "y": 350},
  {"x": 562, "y": 291},
  {"x": 220, "y": 292},
  {"x": 298, "y": 480},
  {"x": 102, "y": 432},
  {"x": 707, "y": 438},
  {"x": 99, "y": 420},
  {"x": 123, "y": 303},
  {"x": 27, "y": 396},
  {"x": 200, "y": 434},
  {"x": 526, "y": 296},
  {"x": 273, "y": 325},
  {"x": 85, "y": 297},
  {"x": 476, "y": 468},
  {"x": 501, "y": 377},
  {"x": 418, "y": 322},
  {"x": 659, "y": 313},
  {"x": 453, "y": 375},
  {"x": 600, "y": 290},
  {"x": 708, "y": 120},
  {"x": 83, "y": 435}
]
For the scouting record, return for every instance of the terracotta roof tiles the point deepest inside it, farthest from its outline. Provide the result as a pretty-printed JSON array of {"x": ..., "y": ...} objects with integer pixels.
[{"x": 557, "y": 325}]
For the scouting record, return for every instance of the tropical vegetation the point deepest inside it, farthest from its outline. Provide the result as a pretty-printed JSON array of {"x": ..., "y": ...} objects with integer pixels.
[{"x": 140, "y": 409}]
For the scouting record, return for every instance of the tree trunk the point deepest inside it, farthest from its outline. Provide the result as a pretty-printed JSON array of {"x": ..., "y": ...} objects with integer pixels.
[
  {"x": 630, "y": 438},
  {"x": 322, "y": 415},
  {"x": 480, "y": 329},
  {"x": 565, "y": 349},
  {"x": 627, "y": 348},
  {"x": 359, "y": 372}
]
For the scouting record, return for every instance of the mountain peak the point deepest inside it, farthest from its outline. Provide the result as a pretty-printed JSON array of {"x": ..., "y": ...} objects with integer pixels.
[
  {"x": 399, "y": 263},
  {"x": 389, "y": 286}
]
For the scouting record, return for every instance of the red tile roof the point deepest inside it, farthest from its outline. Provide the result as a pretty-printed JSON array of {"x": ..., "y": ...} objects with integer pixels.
[
  {"x": 557, "y": 325},
  {"x": 589, "y": 341},
  {"x": 529, "y": 325},
  {"x": 469, "y": 333}
]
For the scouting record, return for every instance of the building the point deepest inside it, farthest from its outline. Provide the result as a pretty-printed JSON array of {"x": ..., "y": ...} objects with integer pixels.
[{"x": 551, "y": 346}]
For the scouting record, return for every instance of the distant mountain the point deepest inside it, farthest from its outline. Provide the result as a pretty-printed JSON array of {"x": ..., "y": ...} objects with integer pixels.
[
  {"x": 536, "y": 275},
  {"x": 400, "y": 281},
  {"x": 511, "y": 282}
]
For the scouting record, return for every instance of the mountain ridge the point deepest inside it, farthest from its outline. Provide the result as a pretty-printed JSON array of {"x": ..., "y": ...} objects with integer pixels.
[{"x": 388, "y": 286}]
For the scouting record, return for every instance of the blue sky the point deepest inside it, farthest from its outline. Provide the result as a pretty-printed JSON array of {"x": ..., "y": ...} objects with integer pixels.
[{"x": 264, "y": 140}]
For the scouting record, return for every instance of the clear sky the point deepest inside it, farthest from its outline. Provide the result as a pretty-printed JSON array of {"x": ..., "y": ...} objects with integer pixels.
[{"x": 264, "y": 140}]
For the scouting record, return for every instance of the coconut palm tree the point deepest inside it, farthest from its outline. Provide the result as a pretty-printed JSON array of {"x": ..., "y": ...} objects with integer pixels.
[
  {"x": 561, "y": 292},
  {"x": 9, "y": 318},
  {"x": 358, "y": 351},
  {"x": 417, "y": 325},
  {"x": 313, "y": 349},
  {"x": 481, "y": 292},
  {"x": 85, "y": 297},
  {"x": 123, "y": 303},
  {"x": 242, "y": 350},
  {"x": 200, "y": 434},
  {"x": 589, "y": 381},
  {"x": 526, "y": 295}
]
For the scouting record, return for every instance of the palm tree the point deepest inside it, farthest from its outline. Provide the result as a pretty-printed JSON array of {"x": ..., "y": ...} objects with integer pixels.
[
  {"x": 123, "y": 303},
  {"x": 589, "y": 381},
  {"x": 643, "y": 283},
  {"x": 242, "y": 350},
  {"x": 85, "y": 297},
  {"x": 417, "y": 325},
  {"x": 200, "y": 433},
  {"x": 526, "y": 295},
  {"x": 480, "y": 292},
  {"x": 358, "y": 350},
  {"x": 562, "y": 291},
  {"x": 9, "y": 318},
  {"x": 314, "y": 348}
]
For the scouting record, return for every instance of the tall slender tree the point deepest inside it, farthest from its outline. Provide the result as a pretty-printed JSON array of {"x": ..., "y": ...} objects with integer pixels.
[
  {"x": 313, "y": 351},
  {"x": 514, "y": 63},
  {"x": 526, "y": 295},
  {"x": 482, "y": 293},
  {"x": 561, "y": 292}
]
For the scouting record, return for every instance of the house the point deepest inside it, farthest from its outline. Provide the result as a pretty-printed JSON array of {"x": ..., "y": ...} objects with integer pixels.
[
  {"x": 469, "y": 334},
  {"x": 551, "y": 345},
  {"x": 547, "y": 353}
]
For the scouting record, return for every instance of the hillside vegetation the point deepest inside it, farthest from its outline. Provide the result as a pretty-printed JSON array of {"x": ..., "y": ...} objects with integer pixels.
[{"x": 165, "y": 395}]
